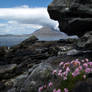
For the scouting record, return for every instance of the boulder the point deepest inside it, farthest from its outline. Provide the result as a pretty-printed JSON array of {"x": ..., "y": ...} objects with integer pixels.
[
  {"x": 6, "y": 71},
  {"x": 83, "y": 86},
  {"x": 40, "y": 75},
  {"x": 3, "y": 51},
  {"x": 74, "y": 16},
  {"x": 85, "y": 42}
]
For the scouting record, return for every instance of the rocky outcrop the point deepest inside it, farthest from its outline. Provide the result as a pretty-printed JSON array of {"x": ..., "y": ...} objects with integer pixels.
[
  {"x": 6, "y": 70},
  {"x": 86, "y": 41},
  {"x": 74, "y": 16},
  {"x": 29, "y": 64},
  {"x": 3, "y": 51},
  {"x": 84, "y": 86}
]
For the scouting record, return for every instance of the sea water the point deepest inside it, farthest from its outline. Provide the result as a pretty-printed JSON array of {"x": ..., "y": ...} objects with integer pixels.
[{"x": 11, "y": 41}]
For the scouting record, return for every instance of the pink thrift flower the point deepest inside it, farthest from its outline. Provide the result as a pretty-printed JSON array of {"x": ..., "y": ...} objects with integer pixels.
[
  {"x": 45, "y": 86},
  {"x": 77, "y": 70},
  {"x": 40, "y": 89},
  {"x": 66, "y": 90},
  {"x": 90, "y": 63},
  {"x": 85, "y": 65},
  {"x": 76, "y": 62},
  {"x": 87, "y": 70},
  {"x": 80, "y": 68},
  {"x": 59, "y": 74},
  {"x": 65, "y": 73},
  {"x": 59, "y": 90},
  {"x": 60, "y": 71},
  {"x": 54, "y": 72},
  {"x": 66, "y": 65},
  {"x": 65, "y": 78},
  {"x": 73, "y": 74},
  {"x": 67, "y": 69},
  {"x": 86, "y": 60},
  {"x": 61, "y": 63},
  {"x": 84, "y": 76},
  {"x": 54, "y": 90},
  {"x": 50, "y": 84},
  {"x": 90, "y": 69}
]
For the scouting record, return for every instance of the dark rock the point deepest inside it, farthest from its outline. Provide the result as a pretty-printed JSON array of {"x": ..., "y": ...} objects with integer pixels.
[
  {"x": 7, "y": 70},
  {"x": 30, "y": 40},
  {"x": 85, "y": 86},
  {"x": 85, "y": 42},
  {"x": 18, "y": 82},
  {"x": 74, "y": 17},
  {"x": 3, "y": 51},
  {"x": 40, "y": 75},
  {"x": 12, "y": 90}
]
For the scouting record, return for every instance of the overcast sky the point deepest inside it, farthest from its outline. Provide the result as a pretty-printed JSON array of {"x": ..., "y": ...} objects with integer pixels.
[{"x": 24, "y": 16}]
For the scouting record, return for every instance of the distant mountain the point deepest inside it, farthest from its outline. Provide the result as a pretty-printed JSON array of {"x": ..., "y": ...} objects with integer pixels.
[{"x": 49, "y": 34}]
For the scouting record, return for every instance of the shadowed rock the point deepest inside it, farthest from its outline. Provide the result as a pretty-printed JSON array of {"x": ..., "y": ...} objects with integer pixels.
[{"x": 74, "y": 16}]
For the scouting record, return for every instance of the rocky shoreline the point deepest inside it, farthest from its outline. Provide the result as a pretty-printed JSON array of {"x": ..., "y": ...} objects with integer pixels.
[
  {"x": 26, "y": 66},
  {"x": 29, "y": 60}
]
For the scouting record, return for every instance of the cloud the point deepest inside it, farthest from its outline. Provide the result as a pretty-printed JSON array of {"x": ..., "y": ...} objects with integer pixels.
[
  {"x": 26, "y": 18},
  {"x": 13, "y": 27},
  {"x": 22, "y": 6}
]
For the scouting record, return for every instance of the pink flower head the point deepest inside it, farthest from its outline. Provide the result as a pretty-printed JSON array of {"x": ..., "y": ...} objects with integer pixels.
[
  {"x": 54, "y": 72},
  {"x": 59, "y": 90},
  {"x": 84, "y": 76},
  {"x": 45, "y": 86},
  {"x": 40, "y": 89},
  {"x": 73, "y": 74},
  {"x": 90, "y": 69},
  {"x": 59, "y": 74},
  {"x": 61, "y": 63},
  {"x": 76, "y": 72},
  {"x": 54, "y": 90},
  {"x": 87, "y": 70},
  {"x": 65, "y": 73},
  {"x": 60, "y": 71},
  {"x": 80, "y": 68},
  {"x": 76, "y": 62},
  {"x": 50, "y": 84},
  {"x": 86, "y": 60},
  {"x": 66, "y": 90},
  {"x": 65, "y": 78},
  {"x": 67, "y": 69},
  {"x": 90, "y": 63},
  {"x": 85, "y": 65},
  {"x": 66, "y": 65}
]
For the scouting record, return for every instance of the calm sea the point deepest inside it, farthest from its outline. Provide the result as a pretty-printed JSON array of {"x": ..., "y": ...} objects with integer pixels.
[{"x": 11, "y": 41}]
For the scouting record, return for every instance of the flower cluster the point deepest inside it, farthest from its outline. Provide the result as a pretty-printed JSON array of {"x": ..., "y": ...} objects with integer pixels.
[{"x": 68, "y": 74}]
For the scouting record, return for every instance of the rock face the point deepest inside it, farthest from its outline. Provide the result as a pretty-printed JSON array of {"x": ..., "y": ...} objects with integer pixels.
[
  {"x": 86, "y": 41},
  {"x": 84, "y": 86},
  {"x": 74, "y": 16}
]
